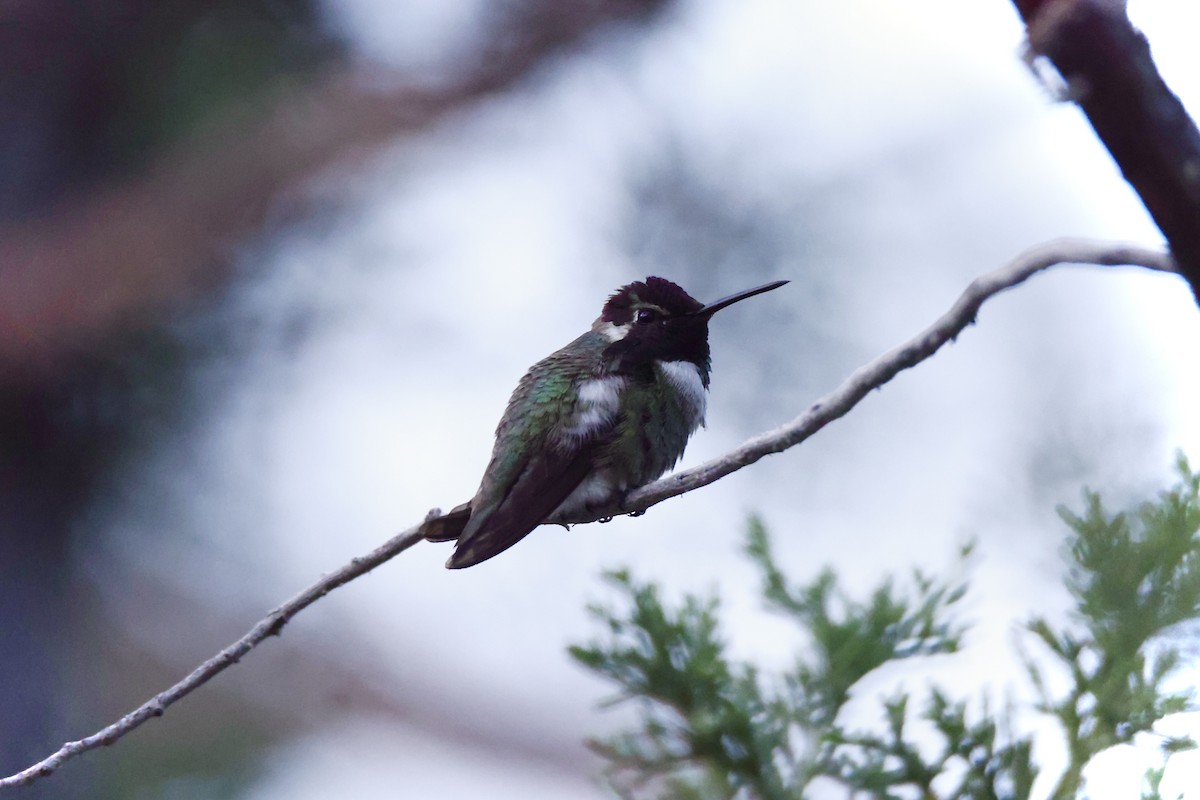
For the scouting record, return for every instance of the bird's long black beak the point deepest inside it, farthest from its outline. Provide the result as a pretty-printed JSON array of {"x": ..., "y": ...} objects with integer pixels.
[{"x": 713, "y": 308}]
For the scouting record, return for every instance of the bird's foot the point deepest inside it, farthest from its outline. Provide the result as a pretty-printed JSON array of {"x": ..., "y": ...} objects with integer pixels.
[
  {"x": 622, "y": 502},
  {"x": 605, "y": 520}
]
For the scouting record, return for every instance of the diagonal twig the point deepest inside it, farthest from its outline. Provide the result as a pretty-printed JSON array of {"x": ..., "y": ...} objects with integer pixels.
[
  {"x": 946, "y": 328},
  {"x": 268, "y": 626},
  {"x": 825, "y": 410}
]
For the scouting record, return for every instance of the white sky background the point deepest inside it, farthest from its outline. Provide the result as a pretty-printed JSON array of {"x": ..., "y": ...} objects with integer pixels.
[{"x": 913, "y": 151}]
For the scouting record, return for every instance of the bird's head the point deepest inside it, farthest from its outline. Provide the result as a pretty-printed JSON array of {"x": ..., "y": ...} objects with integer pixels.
[{"x": 656, "y": 319}]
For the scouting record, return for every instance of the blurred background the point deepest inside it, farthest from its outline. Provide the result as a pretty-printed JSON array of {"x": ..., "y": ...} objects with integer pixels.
[{"x": 270, "y": 269}]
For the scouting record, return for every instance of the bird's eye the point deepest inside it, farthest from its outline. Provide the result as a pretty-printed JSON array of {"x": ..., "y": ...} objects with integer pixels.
[{"x": 646, "y": 315}]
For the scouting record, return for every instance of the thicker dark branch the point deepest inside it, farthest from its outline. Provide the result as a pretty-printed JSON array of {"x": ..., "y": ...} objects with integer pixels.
[{"x": 1110, "y": 73}]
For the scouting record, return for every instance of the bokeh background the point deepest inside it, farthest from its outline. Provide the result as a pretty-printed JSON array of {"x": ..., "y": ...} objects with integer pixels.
[{"x": 270, "y": 269}]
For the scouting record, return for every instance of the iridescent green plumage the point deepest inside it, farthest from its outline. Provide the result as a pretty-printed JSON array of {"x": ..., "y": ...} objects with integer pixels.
[
  {"x": 534, "y": 453},
  {"x": 606, "y": 414}
]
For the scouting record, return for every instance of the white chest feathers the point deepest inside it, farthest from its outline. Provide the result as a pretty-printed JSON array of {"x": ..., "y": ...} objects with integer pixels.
[
  {"x": 599, "y": 400},
  {"x": 684, "y": 376}
]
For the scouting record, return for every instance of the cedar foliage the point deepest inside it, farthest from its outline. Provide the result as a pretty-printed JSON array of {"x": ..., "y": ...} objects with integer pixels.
[{"x": 713, "y": 727}]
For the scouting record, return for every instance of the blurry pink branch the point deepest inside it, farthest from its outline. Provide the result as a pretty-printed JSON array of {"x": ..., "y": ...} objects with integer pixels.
[
  {"x": 109, "y": 259},
  {"x": 832, "y": 406}
]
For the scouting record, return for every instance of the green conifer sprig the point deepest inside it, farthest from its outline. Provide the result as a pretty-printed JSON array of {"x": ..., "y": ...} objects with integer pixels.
[{"x": 712, "y": 727}]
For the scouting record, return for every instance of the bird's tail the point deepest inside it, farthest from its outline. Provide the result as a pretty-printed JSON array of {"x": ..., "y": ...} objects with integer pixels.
[{"x": 448, "y": 526}]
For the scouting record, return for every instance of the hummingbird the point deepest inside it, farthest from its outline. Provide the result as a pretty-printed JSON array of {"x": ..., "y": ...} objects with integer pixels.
[{"x": 607, "y": 414}]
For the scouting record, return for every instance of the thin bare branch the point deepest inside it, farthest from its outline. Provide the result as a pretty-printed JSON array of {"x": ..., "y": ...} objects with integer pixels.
[
  {"x": 875, "y": 374},
  {"x": 268, "y": 626},
  {"x": 827, "y": 409}
]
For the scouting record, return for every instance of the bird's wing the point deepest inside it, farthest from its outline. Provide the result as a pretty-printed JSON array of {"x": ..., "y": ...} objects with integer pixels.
[
  {"x": 542, "y": 485},
  {"x": 527, "y": 480}
]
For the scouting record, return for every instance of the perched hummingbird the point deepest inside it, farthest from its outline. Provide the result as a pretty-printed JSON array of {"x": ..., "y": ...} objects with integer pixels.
[{"x": 608, "y": 413}]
